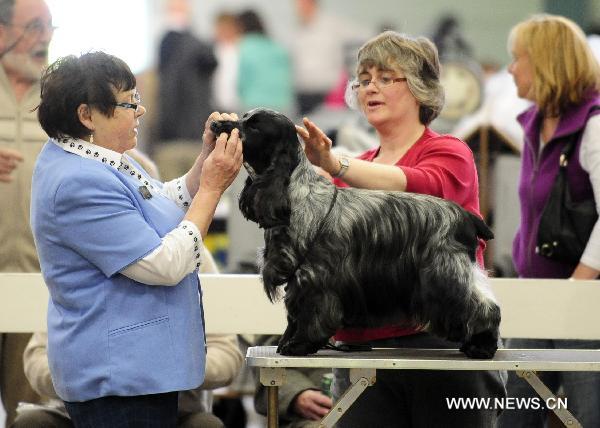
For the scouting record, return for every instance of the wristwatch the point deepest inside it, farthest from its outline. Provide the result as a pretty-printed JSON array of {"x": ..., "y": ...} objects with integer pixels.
[{"x": 344, "y": 163}]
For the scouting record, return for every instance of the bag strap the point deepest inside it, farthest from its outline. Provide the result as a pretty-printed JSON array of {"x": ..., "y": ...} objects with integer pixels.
[{"x": 569, "y": 147}]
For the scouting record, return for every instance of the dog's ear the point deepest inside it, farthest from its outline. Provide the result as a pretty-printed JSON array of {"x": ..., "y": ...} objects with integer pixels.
[
  {"x": 272, "y": 201},
  {"x": 246, "y": 201},
  {"x": 271, "y": 148},
  {"x": 265, "y": 199}
]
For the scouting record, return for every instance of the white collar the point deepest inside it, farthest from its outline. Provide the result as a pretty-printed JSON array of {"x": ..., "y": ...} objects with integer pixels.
[{"x": 116, "y": 160}]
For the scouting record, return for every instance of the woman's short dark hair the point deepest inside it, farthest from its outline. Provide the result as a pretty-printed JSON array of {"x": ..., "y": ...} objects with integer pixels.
[
  {"x": 250, "y": 22},
  {"x": 92, "y": 78}
]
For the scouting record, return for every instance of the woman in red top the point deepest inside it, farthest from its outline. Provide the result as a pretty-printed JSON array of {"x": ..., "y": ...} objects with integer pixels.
[{"x": 398, "y": 89}]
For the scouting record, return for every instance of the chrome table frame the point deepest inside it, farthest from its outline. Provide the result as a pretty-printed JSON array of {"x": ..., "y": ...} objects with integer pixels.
[{"x": 363, "y": 367}]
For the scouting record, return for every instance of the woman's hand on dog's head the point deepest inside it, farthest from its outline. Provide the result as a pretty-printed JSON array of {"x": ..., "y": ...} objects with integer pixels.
[{"x": 317, "y": 146}]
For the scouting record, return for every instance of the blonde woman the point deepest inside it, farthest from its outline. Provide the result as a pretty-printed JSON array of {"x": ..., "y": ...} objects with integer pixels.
[{"x": 554, "y": 68}]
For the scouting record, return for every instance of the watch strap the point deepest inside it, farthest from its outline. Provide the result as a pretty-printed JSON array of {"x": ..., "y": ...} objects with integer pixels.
[{"x": 344, "y": 163}]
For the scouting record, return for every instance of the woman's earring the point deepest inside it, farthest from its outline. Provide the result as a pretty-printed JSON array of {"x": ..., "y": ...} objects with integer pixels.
[{"x": 91, "y": 138}]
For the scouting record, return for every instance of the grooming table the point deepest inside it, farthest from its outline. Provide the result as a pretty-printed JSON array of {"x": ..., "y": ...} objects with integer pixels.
[{"x": 363, "y": 367}]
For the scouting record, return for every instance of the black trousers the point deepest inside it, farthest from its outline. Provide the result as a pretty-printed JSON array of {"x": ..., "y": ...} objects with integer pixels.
[
  {"x": 419, "y": 398},
  {"x": 141, "y": 411}
]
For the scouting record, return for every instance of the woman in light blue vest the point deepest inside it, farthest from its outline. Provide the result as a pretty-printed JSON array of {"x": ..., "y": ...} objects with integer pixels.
[{"x": 118, "y": 250}]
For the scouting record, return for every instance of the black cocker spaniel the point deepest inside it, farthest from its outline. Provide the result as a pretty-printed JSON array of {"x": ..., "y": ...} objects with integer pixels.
[{"x": 359, "y": 258}]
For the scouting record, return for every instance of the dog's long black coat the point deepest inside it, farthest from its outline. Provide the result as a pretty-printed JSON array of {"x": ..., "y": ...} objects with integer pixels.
[{"x": 380, "y": 258}]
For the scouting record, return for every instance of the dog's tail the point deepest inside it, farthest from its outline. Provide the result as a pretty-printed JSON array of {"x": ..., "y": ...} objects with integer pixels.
[{"x": 483, "y": 231}]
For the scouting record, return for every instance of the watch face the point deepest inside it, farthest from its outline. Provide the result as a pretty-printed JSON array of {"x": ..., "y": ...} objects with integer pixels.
[{"x": 462, "y": 87}]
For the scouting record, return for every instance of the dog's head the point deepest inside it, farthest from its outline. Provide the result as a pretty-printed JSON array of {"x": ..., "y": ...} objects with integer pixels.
[
  {"x": 270, "y": 148},
  {"x": 266, "y": 135}
]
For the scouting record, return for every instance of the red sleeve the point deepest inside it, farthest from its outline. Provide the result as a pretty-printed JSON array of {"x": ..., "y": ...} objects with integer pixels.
[{"x": 444, "y": 168}]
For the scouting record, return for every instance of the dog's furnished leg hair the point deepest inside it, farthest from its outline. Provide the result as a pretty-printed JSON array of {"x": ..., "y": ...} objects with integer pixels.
[
  {"x": 289, "y": 332},
  {"x": 318, "y": 315},
  {"x": 277, "y": 261},
  {"x": 458, "y": 306}
]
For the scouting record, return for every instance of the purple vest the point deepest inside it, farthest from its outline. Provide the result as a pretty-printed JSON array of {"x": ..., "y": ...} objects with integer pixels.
[{"x": 538, "y": 172}]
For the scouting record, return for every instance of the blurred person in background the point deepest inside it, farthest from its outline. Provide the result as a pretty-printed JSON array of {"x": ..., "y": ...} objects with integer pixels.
[
  {"x": 554, "y": 67},
  {"x": 25, "y": 33},
  {"x": 184, "y": 102},
  {"x": 320, "y": 43},
  {"x": 226, "y": 38},
  {"x": 265, "y": 78}
]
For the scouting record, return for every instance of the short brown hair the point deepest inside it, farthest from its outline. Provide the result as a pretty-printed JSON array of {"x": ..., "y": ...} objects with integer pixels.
[
  {"x": 565, "y": 68},
  {"x": 417, "y": 58}
]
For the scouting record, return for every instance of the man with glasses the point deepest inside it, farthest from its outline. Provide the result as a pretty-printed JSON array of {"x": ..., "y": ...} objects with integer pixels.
[{"x": 25, "y": 33}]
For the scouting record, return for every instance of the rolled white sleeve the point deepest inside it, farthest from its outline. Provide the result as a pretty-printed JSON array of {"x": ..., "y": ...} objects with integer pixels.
[
  {"x": 177, "y": 191},
  {"x": 179, "y": 254},
  {"x": 589, "y": 158}
]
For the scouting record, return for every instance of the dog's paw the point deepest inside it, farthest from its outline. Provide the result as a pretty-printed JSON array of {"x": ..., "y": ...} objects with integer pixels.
[
  {"x": 297, "y": 348},
  {"x": 477, "y": 352},
  {"x": 482, "y": 346}
]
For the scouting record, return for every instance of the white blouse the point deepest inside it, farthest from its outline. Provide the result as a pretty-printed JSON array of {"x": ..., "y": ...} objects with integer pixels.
[
  {"x": 589, "y": 158},
  {"x": 180, "y": 252}
]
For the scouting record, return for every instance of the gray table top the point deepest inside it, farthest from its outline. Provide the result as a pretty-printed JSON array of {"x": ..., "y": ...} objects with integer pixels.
[{"x": 432, "y": 359}]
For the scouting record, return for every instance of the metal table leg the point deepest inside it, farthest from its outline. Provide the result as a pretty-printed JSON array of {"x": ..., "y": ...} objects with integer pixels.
[
  {"x": 564, "y": 415},
  {"x": 272, "y": 379},
  {"x": 360, "y": 379}
]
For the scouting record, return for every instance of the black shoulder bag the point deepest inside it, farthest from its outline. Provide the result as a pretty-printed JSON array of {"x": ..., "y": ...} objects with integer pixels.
[{"x": 565, "y": 226}]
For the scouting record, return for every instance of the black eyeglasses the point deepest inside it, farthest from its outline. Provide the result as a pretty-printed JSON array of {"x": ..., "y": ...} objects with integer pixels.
[
  {"x": 380, "y": 82},
  {"x": 134, "y": 106}
]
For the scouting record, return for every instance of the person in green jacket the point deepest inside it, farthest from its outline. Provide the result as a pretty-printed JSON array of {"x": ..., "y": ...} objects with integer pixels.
[{"x": 265, "y": 74}]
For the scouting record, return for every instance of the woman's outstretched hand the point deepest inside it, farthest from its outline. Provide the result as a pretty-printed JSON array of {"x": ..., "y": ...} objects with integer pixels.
[{"x": 317, "y": 147}]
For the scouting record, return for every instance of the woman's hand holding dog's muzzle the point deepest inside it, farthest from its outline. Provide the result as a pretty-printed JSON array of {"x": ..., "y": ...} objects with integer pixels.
[
  {"x": 208, "y": 145},
  {"x": 223, "y": 164},
  {"x": 208, "y": 137},
  {"x": 219, "y": 170}
]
